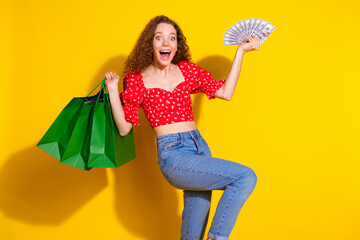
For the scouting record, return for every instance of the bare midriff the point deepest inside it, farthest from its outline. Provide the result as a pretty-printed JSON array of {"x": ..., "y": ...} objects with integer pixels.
[{"x": 175, "y": 128}]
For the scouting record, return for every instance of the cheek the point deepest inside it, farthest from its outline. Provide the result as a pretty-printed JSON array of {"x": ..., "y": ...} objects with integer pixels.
[
  {"x": 175, "y": 46},
  {"x": 156, "y": 45}
]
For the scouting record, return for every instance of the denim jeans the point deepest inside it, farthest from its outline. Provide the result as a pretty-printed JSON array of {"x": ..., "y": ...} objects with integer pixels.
[{"x": 186, "y": 162}]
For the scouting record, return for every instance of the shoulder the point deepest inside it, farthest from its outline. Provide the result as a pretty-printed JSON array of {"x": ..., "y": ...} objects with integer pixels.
[
  {"x": 188, "y": 65},
  {"x": 132, "y": 79},
  {"x": 132, "y": 76},
  {"x": 190, "y": 69},
  {"x": 133, "y": 89}
]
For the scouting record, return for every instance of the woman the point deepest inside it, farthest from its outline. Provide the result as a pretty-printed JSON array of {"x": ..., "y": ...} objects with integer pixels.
[{"x": 160, "y": 79}]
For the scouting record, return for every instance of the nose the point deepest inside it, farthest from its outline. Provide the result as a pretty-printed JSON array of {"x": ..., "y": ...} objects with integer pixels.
[{"x": 165, "y": 43}]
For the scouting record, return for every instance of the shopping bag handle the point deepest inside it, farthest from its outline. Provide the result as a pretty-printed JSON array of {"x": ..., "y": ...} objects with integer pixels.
[
  {"x": 102, "y": 81},
  {"x": 106, "y": 95},
  {"x": 102, "y": 90}
]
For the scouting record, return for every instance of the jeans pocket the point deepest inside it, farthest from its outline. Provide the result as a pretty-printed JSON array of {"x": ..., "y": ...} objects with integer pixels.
[
  {"x": 205, "y": 147},
  {"x": 171, "y": 144}
]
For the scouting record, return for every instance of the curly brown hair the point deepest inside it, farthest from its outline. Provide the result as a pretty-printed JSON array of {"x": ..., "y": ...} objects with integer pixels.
[{"x": 142, "y": 54}]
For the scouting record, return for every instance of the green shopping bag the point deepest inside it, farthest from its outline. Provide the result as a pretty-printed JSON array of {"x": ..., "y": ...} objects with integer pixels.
[
  {"x": 107, "y": 147},
  {"x": 71, "y": 137},
  {"x": 77, "y": 151},
  {"x": 56, "y": 138}
]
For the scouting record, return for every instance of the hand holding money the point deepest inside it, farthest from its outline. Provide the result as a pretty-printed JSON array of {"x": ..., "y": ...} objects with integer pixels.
[
  {"x": 245, "y": 29},
  {"x": 250, "y": 44}
]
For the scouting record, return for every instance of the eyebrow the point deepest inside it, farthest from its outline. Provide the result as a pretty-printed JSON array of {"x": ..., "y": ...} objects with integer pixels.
[{"x": 170, "y": 33}]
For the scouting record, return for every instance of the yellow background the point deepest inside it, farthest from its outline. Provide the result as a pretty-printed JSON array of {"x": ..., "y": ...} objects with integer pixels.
[{"x": 294, "y": 119}]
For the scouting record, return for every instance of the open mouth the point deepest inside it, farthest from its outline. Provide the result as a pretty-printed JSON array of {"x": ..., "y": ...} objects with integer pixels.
[{"x": 165, "y": 53}]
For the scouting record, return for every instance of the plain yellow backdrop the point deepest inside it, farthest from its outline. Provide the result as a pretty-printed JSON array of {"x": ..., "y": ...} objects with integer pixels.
[{"x": 294, "y": 119}]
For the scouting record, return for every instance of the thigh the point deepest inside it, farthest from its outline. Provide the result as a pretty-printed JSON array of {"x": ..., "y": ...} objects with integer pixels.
[
  {"x": 205, "y": 173},
  {"x": 187, "y": 164},
  {"x": 200, "y": 173}
]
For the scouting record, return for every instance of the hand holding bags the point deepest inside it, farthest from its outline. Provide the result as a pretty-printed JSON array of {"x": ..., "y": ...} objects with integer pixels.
[{"x": 84, "y": 135}]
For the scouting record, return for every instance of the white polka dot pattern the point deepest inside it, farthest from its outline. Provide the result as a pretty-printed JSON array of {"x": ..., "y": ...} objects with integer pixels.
[{"x": 163, "y": 107}]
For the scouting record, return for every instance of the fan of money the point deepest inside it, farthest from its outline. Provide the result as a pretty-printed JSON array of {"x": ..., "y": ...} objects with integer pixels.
[{"x": 238, "y": 32}]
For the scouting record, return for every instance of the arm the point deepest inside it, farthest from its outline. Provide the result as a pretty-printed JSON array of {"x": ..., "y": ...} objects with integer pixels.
[
  {"x": 117, "y": 110},
  {"x": 227, "y": 90},
  {"x": 122, "y": 125}
]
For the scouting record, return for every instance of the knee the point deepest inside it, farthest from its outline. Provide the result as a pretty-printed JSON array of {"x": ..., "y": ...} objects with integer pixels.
[
  {"x": 252, "y": 178},
  {"x": 248, "y": 179}
]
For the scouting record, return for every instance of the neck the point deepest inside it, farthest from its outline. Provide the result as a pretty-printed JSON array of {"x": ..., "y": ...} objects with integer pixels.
[{"x": 162, "y": 70}]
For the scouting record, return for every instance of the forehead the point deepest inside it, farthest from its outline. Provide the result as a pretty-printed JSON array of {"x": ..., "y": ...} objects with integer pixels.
[{"x": 165, "y": 28}]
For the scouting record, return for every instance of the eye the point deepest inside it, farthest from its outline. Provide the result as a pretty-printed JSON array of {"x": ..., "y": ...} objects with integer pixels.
[
  {"x": 158, "y": 38},
  {"x": 173, "y": 39}
]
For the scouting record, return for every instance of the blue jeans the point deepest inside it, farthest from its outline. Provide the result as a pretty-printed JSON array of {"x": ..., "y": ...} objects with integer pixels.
[{"x": 185, "y": 161}]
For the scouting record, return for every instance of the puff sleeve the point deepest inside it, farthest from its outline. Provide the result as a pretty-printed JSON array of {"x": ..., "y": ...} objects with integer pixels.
[
  {"x": 205, "y": 83},
  {"x": 131, "y": 98}
]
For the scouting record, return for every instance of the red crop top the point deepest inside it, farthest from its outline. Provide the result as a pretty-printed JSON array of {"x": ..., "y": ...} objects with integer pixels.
[{"x": 163, "y": 107}]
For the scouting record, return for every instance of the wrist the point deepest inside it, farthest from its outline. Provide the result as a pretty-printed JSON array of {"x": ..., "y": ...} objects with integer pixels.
[
  {"x": 113, "y": 91},
  {"x": 240, "y": 51}
]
